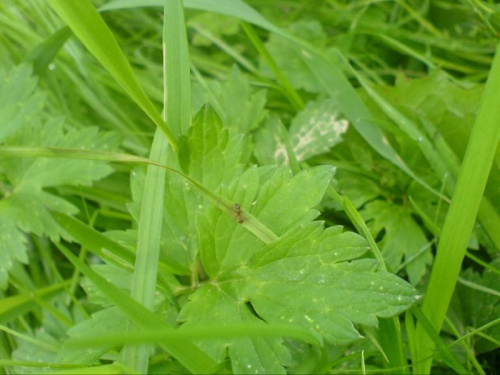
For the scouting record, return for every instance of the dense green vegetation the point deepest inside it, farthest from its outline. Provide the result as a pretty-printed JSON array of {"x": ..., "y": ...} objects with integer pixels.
[{"x": 219, "y": 186}]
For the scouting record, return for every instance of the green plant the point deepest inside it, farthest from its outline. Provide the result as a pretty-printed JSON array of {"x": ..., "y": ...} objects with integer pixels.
[{"x": 218, "y": 235}]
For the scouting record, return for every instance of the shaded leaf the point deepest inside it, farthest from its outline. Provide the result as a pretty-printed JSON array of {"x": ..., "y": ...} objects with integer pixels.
[
  {"x": 25, "y": 204},
  {"x": 403, "y": 239}
]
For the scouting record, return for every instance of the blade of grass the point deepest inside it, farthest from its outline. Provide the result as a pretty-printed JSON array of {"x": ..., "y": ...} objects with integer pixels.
[
  {"x": 45, "y": 52},
  {"x": 38, "y": 343},
  {"x": 177, "y": 113},
  {"x": 445, "y": 353},
  {"x": 251, "y": 223},
  {"x": 185, "y": 351},
  {"x": 234, "y": 8},
  {"x": 96, "y": 242},
  {"x": 15, "y": 306},
  {"x": 288, "y": 89},
  {"x": 111, "y": 369},
  {"x": 107, "y": 249},
  {"x": 461, "y": 215},
  {"x": 90, "y": 28},
  {"x": 389, "y": 332},
  {"x": 177, "y": 80},
  {"x": 35, "y": 364},
  {"x": 292, "y": 158},
  {"x": 467, "y": 347},
  {"x": 196, "y": 333},
  {"x": 148, "y": 248},
  {"x": 230, "y": 50}
]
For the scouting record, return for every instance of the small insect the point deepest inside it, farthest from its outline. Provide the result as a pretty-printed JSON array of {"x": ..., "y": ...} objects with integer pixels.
[{"x": 239, "y": 215}]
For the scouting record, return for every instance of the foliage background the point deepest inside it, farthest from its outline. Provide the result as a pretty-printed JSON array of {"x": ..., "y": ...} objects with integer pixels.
[{"x": 418, "y": 70}]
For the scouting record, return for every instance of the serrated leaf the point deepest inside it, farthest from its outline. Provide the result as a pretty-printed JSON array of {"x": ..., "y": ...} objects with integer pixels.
[
  {"x": 213, "y": 305},
  {"x": 314, "y": 286},
  {"x": 451, "y": 108},
  {"x": 279, "y": 201},
  {"x": 119, "y": 277},
  {"x": 212, "y": 158},
  {"x": 243, "y": 108},
  {"x": 103, "y": 322},
  {"x": 29, "y": 351},
  {"x": 19, "y": 101},
  {"x": 25, "y": 206},
  {"x": 240, "y": 107},
  {"x": 403, "y": 239},
  {"x": 475, "y": 307},
  {"x": 304, "y": 278},
  {"x": 187, "y": 353}
]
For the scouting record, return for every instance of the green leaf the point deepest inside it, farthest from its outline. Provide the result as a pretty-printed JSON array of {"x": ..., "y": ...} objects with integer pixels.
[
  {"x": 286, "y": 281},
  {"x": 465, "y": 205},
  {"x": 288, "y": 58},
  {"x": 187, "y": 353},
  {"x": 120, "y": 278},
  {"x": 403, "y": 240},
  {"x": 25, "y": 205},
  {"x": 103, "y": 322},
  {"x": 43, "y": 54},
  {"x": 324, "y": 67},
  {"x": 279, "y": 201},
  {"x": 312, "y": 284},
  {"x": 243, "y": 108},
  {"x": 214, "y": 305},
  {"x": 240, "y": 107},
  {"x": 475, "y": 308},
  {"x": 216, "y": 25},
  {"x": 211, "y": 158},
  {"x": 43, "y": 350},
  {"x": 303, "y": 279},
  {"x": 19, "y": 100},
  {"x": 446, "y": 111},
  {"x": 94, "y": 241},
  {"x": 315, "y": 130}
]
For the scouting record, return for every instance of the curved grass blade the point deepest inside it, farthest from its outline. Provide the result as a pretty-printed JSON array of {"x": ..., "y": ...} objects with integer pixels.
[
  {"x": 90, "y": 28},
  {"x": 251, "y": 222}
]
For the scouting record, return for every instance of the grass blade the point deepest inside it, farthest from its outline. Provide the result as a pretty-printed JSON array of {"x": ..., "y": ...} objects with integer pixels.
[
  {"x": 13, "y": 307},
  {"x": 461, "y": 216},
  {"x": 445, "y": 352},
  {"x": 177, "y": 80},
  {"x": 185, "y": 351},
  {"x": 177, "y": 113},
  {"x": 197, "y": 333},
  {"x": 84, "y": 20},
  {"x": 148, "y": 247}
]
